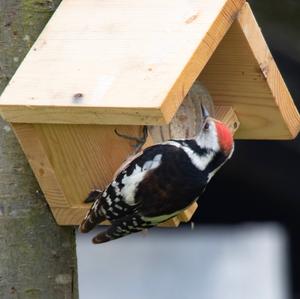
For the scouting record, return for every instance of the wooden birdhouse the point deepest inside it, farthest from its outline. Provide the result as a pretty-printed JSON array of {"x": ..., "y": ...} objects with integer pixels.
[{"x": 105, "y": 65}]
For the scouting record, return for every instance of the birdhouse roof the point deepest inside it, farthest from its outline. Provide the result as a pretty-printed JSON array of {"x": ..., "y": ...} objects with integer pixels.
[{"x": 133, "y": 62}]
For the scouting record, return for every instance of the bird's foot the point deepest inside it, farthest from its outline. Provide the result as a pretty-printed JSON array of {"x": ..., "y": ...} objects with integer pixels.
[{"x": 140, "y": 141}]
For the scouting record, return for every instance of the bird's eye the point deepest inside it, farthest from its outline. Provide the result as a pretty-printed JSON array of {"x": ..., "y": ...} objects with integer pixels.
[{"x": 206, "y": 126}]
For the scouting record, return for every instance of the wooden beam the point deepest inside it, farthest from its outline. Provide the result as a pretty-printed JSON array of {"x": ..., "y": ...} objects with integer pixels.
[
  {"x": 188, "y": 213},
  {"x": 243, "y": 74},
  {"x": 227, "y": 115}
]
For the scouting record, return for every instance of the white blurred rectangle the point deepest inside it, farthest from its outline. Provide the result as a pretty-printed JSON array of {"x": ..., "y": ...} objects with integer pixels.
[{"x": 232, "y": 262}]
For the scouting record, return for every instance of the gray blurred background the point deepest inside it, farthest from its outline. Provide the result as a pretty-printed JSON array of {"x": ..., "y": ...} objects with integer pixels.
[
  {"x": 241, "y": 262},
  {"x": 246, "y": 242}
]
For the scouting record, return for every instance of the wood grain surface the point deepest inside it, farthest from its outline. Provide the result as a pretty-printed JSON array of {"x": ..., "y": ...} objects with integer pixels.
[{"x": 114, "y": 62}]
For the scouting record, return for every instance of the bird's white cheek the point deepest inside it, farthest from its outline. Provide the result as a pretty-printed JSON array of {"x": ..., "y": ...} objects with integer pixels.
[{"x": 209, "y": 139}]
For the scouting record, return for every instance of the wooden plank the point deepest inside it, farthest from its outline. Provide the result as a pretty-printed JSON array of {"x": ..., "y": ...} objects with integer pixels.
[
  {"x": 70, "y": 216},
  {"x": 128, "y": 62},
  {"x": 243, "y": 74},
  {"x": 41, "y": 165},
  {"x": 227, "y": 116},
  {"x": 187, "y": 214},
  {"x": 81, "y": 115}
]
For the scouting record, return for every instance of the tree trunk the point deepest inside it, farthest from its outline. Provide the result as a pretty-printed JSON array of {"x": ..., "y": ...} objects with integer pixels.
[{"x": 37, "y": 257}]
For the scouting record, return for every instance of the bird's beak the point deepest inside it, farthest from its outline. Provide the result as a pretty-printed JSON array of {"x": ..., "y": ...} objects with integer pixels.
[{"x": 205, "y": 113}]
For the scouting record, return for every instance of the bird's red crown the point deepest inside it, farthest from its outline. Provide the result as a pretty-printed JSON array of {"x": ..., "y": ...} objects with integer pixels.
[{"x": 225, "y": 137}]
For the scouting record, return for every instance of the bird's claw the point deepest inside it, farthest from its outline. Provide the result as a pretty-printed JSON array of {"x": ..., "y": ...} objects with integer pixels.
[{"x": 140, "y": 141}]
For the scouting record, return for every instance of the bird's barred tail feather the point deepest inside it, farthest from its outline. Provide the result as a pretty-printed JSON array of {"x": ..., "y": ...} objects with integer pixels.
[
  {"x": 93, "y": 196},
  {"x": 121, "y": 228},
  {"x": 94, "y": 216},
  {"x": 90, "y": 221}
]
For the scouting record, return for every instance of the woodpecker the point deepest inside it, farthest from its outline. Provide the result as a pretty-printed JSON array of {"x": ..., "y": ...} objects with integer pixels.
[{"x": 159, "y": 182}]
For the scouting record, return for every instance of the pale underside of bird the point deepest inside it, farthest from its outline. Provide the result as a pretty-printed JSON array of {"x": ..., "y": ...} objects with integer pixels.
[{"x": 159, "y": 182}]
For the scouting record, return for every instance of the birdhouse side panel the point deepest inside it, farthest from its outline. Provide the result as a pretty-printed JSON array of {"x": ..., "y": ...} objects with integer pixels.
[
  {"x": 70, "y": 160},
  {"x": 40, "y": 164},
  {"x": 243, "y": 74}
]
